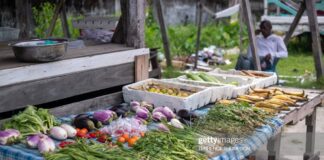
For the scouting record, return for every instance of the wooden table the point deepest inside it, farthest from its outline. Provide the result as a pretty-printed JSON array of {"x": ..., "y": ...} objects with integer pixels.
[{"x": 301, "y": 111}]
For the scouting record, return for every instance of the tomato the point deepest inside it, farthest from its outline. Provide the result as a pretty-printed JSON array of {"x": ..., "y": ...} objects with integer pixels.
[
  {"x": 102, "y": 138},
  {"x": 64, "y": 144},
  {"x": 84, "y": 131},
  {"x": 93, "y": 135},
  {"x": 125, "y": 136},
  {"x": 121, "y": 140},
  {"x": 132, "y": 141},
  {"x": 142, "y": 134}
]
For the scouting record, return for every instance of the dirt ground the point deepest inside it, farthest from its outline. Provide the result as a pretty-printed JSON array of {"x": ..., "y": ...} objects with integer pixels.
[{"x": 293, "y": 140}]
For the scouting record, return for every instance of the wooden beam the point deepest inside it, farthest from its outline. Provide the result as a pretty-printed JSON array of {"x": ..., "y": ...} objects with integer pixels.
[
  {"x": 135, "y": 18},
  {"x": 141, "y": 67},
  {"x": 295, "y": 22},
  {"x": 53, "y": 21},
  {"x": 23, "y": 16},
  {"x": 93, "y": 104},
  {"x": 316, "y": 41},
  {"x": 199, "y": 7},
  {"x": 310, "y": 122},
  {"x": 248, "y": 17},
  {"x": 163, "y": 29},
  {"x": 65, "y": 86},
  {"x": 64, "y": 22}
]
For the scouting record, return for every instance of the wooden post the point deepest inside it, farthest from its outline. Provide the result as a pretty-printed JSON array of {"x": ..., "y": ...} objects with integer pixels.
[
  {"x": 23, "y": 16},
  {"x": 135, "y": 18},
  {"x": 199, "y": 7},
  {"x": 310, "y": 122},
  {"x": 141, "y": 67},
  {"x": 316, "y": 41},
  {"x": 295, "y": 22},
  {"x": 273, "y": 147},
  {"x": 248, "y": 17},
  {"x": 53, "y": 21},
  {"x": 64, "y": 22},
  {"x": 166, "y": 44},
  {"x": 120, "y": 33}
]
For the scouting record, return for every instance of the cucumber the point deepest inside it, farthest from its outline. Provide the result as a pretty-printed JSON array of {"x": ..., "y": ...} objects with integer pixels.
[
  {"x": 205, "y": 78},
  {"x": 194, "y": 77}
]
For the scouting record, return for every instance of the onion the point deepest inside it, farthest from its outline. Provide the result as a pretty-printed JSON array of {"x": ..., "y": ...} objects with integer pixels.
[
  {"x": 168, "y": 113},
  {"x": 8, "y": 136},
  {"x": 176, "y": 123},
  {"x": 32, "y": 141},
  {"x": 71, "y": 132},
  {"x": 158, "y": 116},
  {"x": 142, "y": 113},
  {"x": 58, "y": 133},
  {"x": 45, "y": 144}
]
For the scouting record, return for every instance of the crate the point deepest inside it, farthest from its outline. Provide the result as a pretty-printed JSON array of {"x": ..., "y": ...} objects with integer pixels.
[
  {"x": 202, "y": 96},
  {"x": 259, "y": 82},
  {"x": 232, "y": 91}
]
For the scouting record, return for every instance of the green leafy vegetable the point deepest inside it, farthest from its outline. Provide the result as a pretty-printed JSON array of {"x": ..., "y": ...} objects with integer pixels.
[{"x": 32, "y": 121}]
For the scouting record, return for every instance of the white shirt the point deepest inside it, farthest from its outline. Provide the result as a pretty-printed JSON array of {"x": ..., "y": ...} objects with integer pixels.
[{"x": 273, "y": 44}]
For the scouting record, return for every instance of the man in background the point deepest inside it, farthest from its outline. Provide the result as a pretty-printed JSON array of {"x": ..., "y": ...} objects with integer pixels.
[{"x": 270, "y": 49}]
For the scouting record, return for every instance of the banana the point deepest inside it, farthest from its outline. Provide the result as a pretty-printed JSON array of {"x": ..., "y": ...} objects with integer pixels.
[
  {"x": 252, "y": 98},
  {"x": 225, "y": 102},
  {"x": 276, "y": 101},
  {"x": 267, "y": 105},
  {"x": 269, "y": 110},
  {"x": 284, "y": 97},
  {"x": 284, "y": 108},
  {"x": 277, "y": 92},
  {"x": 284, "y": 102},
  {"x": 300, "y": 94},
  {"x": 258, "y": 90},
  {"x": 298, "y": 98},
  {"x": 263, "y": 95},
  {"x": 244, "y": 100}
]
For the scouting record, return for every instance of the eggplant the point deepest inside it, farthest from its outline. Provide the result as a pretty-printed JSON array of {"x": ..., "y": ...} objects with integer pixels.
[
  {"x": 121, "y": 112},
  {"x": 185, "y": 114},
  {"x": 84, "y": 121},
  {"x": 97, "y": 123}
]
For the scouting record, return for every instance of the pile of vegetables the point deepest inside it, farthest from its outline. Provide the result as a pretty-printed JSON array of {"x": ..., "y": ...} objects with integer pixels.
[
  {"x": 83, "y": 150},
  {"x": 163, "y": 89},
  {"x": 234, "y": 119},
  {"x": 32, "y": 121},
  {"x": 203, "y": 77},
  {"x": 160, "y": 146}
]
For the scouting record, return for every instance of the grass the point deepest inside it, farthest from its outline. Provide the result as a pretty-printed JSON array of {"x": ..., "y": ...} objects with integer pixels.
[{"x": 297, "y": 64}]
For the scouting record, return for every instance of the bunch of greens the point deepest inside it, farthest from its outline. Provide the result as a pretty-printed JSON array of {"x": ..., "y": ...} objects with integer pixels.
[
  {"x": 83, "y": 150},
  {"x": 160, "y": 145},
  {"x": 31, "y": 121},
  {"x": 234, "y": 119}
]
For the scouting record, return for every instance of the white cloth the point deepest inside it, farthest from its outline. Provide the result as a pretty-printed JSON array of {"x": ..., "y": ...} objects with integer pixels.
[{"x": 272, "y": 44}]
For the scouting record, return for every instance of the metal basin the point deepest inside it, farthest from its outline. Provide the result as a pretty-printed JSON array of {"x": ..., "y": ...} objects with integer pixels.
[{"x": 44, "y": 50}]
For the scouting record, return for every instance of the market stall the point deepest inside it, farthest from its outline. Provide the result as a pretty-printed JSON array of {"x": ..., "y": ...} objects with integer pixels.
[{"x": 182, "y": 115}]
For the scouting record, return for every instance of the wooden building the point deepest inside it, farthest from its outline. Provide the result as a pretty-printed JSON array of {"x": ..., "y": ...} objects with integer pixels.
[{"x": 86, "y": 78}]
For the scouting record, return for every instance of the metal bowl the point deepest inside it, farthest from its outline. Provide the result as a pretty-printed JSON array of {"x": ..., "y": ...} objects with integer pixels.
[{"x": 41, "y": 50}]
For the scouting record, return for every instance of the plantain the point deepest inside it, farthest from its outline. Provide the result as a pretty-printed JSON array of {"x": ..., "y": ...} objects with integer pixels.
[
  {"x": 267, "y": 105},
  {"x": 276, "y": 101},
  {"x": 263, "y": 95},
  {"x": 277, "y": 92},
  {"x": 269, "y": 110},
  {"x": 244, "y": 100},
  {"x": 225, "y": 102},
  {"x": 258, "y": 90},
  {"x": 284, "y": 97},
  {"x": 252, "y": 98},
  {"x": 300, "y": 94},
  {"x": 298, "y": 98},
  {"x": 283, "y": 102}
]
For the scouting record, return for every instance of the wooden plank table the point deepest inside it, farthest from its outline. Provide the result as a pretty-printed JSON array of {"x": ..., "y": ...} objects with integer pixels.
[
  {"x": 81, "y": 71},
  {"x": 301, "y": 111}
]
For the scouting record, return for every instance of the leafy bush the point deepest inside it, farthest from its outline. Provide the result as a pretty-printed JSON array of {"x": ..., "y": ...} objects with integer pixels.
[
  {"x": 183, "y": 38},
  {"x": 43, "y": 16}
]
